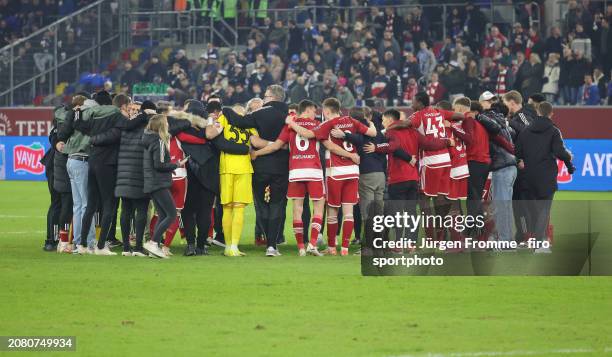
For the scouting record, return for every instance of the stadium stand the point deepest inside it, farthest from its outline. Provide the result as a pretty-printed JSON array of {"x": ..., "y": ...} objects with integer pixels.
[{"x": 376, "y": 55}]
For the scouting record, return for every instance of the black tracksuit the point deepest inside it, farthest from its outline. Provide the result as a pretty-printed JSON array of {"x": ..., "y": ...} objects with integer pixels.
[
  {"x": 203, "y": 183},
  {"x": 539, "y": 146},
  {"x": 270, "y": 170},
  {"x": 518, "y": 122}
]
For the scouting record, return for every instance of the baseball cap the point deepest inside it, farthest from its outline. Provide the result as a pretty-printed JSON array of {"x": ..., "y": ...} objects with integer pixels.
[{"x": 486, "y": 96}]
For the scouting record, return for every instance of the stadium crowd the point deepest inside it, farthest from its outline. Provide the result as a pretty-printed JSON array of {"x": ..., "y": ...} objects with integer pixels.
[
  {"x": 202, "y": 163},
  {"x": 386, "y": 56}
]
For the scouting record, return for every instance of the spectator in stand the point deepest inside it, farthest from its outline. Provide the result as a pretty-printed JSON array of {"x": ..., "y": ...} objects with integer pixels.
[
  {"x": 445, "y": 51},
  {"x": 504, "y": 79},
  {"x": 262, "y": 78},
  {"x": 181, "y": 58},
  {"x": 551, "y": 78},
  {"x": 579, "y": 68},
  {"x": 309, "y": 36},
  {"x": 393, "y": 22},
  {"x": 427, "y": 59},
  {"x": 435, "y": 90},
  {"x": 411, "y": 90},
  {"x": 295, "y": 39},
  {"x": 518, "y": 38},
  {"x": 454, "y": 23},
  {"x": 601, "y": 80},
  {"x": 475, "y": 23},
  {"x": 411, "y": 67},
  {"x": 472, "y": 80},
  {"x": 534, "y": 43},
  {"x": 454, "y": 81},
  {"x": 533, "y": 73},
  {"x": 554, "y": 44},
  {"x": 494, "y": 34},
  {"x": 389, "y": 43},
  {"x": 589, "y": 92},
  {"x": 154, "y": 68},
  {"x": 344, "y": 95},
  {"x": 298, "y": 91},
  {"x": 130, "y": 75},
  {"x": 279, "y": 34}
]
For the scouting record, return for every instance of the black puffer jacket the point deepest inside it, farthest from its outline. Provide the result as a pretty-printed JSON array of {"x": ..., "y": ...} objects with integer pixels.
[
  {"x": 130, "y": 179},
  {"x": 156, "y": 164},
  {"x": 539, "y": 145}
]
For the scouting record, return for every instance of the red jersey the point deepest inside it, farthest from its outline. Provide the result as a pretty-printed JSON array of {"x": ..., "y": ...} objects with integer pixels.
[
  {"x": 339, "y": 167},
  {"x": 304, "y": 160},
  {"x": 409, "y": 140},
  {"x": 430, "y": 122},
  {"x": 458, "y": 154},
  {"x": 176, "y": 155}
]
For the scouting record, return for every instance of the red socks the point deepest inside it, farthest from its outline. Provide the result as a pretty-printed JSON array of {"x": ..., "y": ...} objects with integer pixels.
[
  {"x": 315, "y": 229},
  {"x": 332, "y": 230},
  {"x": 171, "y": 232},
  {"x": 63, "y": 236},
  {"x": 298, "y": 230},
  {"x": 211, "y": 228},
  {"x": 347, "y": 230}
]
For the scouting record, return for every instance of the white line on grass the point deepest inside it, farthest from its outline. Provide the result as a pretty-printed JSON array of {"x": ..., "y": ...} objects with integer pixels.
[
  {"x": 24, "y": 232},
  {"x": 17, "y": 216},
  {"x": 564, "y": 351}
]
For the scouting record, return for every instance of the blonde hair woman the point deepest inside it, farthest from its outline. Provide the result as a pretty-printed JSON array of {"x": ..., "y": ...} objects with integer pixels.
[{"x": 158, "y": 178}]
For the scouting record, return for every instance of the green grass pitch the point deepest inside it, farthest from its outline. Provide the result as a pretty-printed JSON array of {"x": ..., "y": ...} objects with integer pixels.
[{"x": 285, "y": 306}]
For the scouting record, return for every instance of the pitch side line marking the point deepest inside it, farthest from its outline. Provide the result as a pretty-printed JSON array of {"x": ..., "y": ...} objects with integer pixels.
[
  {"x": 17, "y": 216},
  {"x": 606, "y": 350}
]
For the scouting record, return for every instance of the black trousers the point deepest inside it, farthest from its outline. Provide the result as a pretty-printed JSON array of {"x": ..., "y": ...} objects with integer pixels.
[
  {"x": 100, "y": 196},
  {"x": 136, "y": 209},
  {"x": 53, "y": 212},
  {"x": 403, "y": 198},
  {"x": 271, "y": 209},
  {"x": 539, "y": 213},
  {"x": 166, "y": 212},
  {"x": 219, "y": 220},
  {"x": 198, "y": 206},
  {"x": 520, "y": 208},
  {"x": 476, "y": 182}
]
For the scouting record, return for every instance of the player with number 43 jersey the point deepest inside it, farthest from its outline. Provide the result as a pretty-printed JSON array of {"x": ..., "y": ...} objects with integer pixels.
[
  {"x": 305, "y": 172},
  {"x": 435, "y": 165}
]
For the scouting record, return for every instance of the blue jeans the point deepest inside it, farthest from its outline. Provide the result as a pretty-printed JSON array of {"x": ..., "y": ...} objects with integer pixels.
[
  {"x": 78, "y": 171},
  {"x": 502, "y": 183}
]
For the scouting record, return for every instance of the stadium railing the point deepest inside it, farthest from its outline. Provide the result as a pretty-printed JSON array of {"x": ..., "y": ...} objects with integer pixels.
[{"x": 53, "y": 56}]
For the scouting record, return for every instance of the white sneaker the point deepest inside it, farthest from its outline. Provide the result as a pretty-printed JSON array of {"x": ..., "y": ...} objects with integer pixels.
[
  {"x": 126, "y": 254},
  {"x": 91, "y": 251},
  {"x": 302, "y": 252},
  {"x": 82, "y": 250},
  {"x": 166, "y": 250},
  {"x": 271, "y": 252},
  {"x": 104, "y": 251},
  {"x": 312, "y": 250},
  {"x": 154, "y": 249},
  {"x": 138, "y": 254},
  {"x": 542, "y": 250},
  {"x": 64, "y": 247},
  {"x": 213, "y": 241}
]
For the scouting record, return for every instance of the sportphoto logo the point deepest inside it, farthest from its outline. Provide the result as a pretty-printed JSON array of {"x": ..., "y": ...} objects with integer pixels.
[{"x": 27, "y": 158}]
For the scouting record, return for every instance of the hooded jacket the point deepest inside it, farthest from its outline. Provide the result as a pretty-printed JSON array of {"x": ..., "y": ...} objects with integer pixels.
[
  {"x": 157, "y": 168},
  {"x": 76, "y": 141},
  {"x": 539, "y": 146},
  {"x": 61, "y": 181}
]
